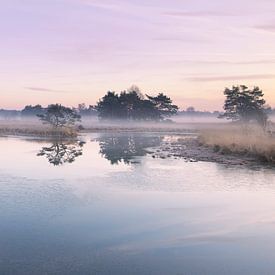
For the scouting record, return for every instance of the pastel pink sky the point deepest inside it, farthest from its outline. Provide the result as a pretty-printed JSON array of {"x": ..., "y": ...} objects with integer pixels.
[{"x": 73, "y": 51}]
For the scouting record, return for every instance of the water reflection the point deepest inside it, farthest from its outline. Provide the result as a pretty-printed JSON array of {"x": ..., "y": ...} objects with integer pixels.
[
  {"x": 163, "y": 217},
  {"x": 124, "y": 148},
  {"x": 61, "y": 152}
]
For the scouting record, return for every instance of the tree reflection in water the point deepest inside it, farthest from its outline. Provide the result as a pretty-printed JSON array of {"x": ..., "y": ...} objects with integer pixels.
[
  {"x": 61, "y": 152},
  {"x": 118, "y": 148}
]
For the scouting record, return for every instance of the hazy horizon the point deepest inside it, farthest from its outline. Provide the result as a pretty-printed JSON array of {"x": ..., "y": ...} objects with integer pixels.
[
  {"x": 74, "y": 51},
  {"x": 132, "y": 185}
]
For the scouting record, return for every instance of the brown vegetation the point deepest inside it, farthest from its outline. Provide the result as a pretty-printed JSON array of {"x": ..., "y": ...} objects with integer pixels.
[
  {"x": 252, "y": 141},
  {"x": 33, "y": 128}
]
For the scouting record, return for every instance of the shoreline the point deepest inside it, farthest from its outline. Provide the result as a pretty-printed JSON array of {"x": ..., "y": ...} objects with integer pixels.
[
  {"x": 191, "y": 150},
  {"x": 184, "y": 144},
  {"x": 223, "y": 142}
]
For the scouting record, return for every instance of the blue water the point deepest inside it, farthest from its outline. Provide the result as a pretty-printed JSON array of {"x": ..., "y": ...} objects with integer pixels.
[{"x": 116, "y": 210}]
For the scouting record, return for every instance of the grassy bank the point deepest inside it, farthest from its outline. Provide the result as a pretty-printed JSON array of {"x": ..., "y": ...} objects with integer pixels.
[
  {"x": 33, "y": 128},
  {"x": 234, "y": 140},
  {"x": 37, "y": 132}
]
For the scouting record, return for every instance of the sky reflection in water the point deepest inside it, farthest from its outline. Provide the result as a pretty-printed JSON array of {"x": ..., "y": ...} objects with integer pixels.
[{"x": 116, "y": 210}]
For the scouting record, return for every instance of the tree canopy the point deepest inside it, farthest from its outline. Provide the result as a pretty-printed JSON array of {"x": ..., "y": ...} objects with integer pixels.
[
  {"x": 244, "y": 105},
  {"x": 132, "y": 105},
  {"x": 84, "y": 110},
  {"x": 59, "y": 116},
  {"x": 30, "y": 110}
]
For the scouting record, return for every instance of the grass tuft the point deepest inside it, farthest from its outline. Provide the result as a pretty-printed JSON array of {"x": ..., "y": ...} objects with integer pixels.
[{"x": 235, "y": 140}]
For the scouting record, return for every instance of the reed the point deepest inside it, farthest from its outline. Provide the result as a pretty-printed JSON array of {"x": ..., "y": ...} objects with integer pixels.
[{"x": 236, "y": 140}]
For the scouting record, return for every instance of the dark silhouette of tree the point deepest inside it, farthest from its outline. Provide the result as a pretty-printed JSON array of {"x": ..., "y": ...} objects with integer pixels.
[
  {"x": 244, "y": 105},
  {"x": 9, "y": 114},
  {"x": 109, "y": 107},
  {"x": 137, "y": 90},
  {"x": 195, "y": 113},
  {"x": 124, "y": 148},
  {"x": 163, "y": 105},
  {"x": 61, "y": 152},
  {"x": 191, "y": 110},
  {"x": 132, "y": 105},
  {"x": 83, "y": 110},
  {"x": 59, "y": 116},
  {"x": 30, "y": 110},
  {"x": 148, "y": 111}
]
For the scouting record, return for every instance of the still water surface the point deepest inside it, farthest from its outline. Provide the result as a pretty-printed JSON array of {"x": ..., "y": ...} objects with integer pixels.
[{"x": 107, "y": 207}]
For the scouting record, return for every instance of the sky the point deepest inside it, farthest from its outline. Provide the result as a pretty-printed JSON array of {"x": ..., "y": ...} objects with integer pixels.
[{"x": 74, "y": 51}]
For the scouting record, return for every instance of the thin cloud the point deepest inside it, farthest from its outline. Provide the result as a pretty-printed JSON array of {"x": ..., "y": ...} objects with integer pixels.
[
  {"x": 39, "y": 89},
  {"x": 187, "y": 39},
  {"x": 268, "y": 28},
  {"x": 99, "y": 4},
  {"x": 198, "y": 13},
  {"x": 231, "y": 78},
  {"x": 113, "y": 6},
  {"x": 222, "y": 62}
]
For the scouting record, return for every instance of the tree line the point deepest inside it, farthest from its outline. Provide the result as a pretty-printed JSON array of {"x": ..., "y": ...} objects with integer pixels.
[
  {"x": 132, "y": 105},
  {"x": 241, "y": 104},
  {"x": 35, "y": 110}
]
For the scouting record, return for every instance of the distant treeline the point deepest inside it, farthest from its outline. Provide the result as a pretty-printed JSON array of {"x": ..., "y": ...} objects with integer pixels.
[
  {"x": 129, "y": 105},
  {"x": 87, "y": 111},
  {"x": 191, "y": 111},
  {"x": 126, "y": 105},
  {"x": 91, "y": 111},
  {"x": 34, "y": 110}
]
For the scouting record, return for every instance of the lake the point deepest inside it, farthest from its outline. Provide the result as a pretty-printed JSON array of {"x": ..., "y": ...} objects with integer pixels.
[{"x": 105, "y": 205}]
